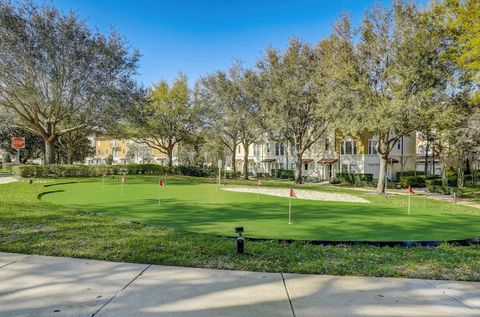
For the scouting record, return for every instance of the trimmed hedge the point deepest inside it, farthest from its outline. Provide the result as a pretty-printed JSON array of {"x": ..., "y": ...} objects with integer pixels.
[
  {"x": 354, "y": 178},
  {"x": 444, "y": 190},
  {"x": 414, "y": 181},
  {"x": 232, "y": 175},
  {"x": 46, "y": 171},
  {"x": 284, "y": 173},
  {"x": 398, "y": 175},
  {"x": 196, "y": 170}
]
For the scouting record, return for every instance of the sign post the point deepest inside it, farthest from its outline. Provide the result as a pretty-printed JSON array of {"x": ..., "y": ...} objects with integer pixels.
[{"x": 18, "y": 143}]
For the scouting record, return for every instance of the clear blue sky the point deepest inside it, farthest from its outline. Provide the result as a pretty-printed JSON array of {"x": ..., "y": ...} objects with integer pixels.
[{"x": 200, "y": 37}]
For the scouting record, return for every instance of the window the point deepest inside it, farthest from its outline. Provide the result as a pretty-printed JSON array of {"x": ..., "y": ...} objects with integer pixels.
[
  {"x": 292, "y": 149},
  {"x": 293, "y": 166},
  {"x": 353, "y": 169},
  {"x": 372, "y": 146},
  {"x": 399, "y": 144},
  {"x": 282, "y": 166},
  {"x": 327, "y": 144},
  {"x": 305, "y": 166},
  {"x": 344, "y": 168},
  {"x": 282, "y": 149},
  {"x": 277, "y": 149},
  {"x": 348, "y": 147},
  {"x": 239, "y": 149},
  {"x": 268, "y": 147},
  {"x": 256, "y": 149}
]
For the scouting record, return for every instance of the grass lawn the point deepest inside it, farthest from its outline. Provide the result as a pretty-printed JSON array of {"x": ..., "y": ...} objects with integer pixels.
[
  {"x": 473, "y": 193},
  {"x": 30, "y": 226},
  {"x": 199, "y": 207}
]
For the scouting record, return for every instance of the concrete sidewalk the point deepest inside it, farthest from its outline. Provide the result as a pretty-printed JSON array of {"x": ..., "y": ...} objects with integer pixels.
[
  {"x": 7, "y": 179},
  {"x": 53, "y": 286}
]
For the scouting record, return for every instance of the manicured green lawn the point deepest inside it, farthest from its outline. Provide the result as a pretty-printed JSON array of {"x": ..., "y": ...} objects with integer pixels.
[
  {"x": 30, "y": 226},
  {"x": 200, "y": 207}
]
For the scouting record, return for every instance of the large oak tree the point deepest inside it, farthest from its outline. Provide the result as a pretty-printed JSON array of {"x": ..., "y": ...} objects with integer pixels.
[
  {"x": 400, "y": 76},
  {"x": 57, "y": 75},
  {"x": 166, "y": 118},
  {"x": 296, "y": 96}
]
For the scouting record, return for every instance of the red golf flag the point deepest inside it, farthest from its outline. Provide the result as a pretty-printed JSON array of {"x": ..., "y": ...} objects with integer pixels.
[
  {"x": 161, "y": 183},
  {"x": 410, "y": 190},
  {"x": 292, "y": 193}
]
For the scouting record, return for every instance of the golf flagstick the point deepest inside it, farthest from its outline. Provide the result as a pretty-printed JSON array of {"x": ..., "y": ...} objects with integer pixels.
[
  {"x": 258, "y": 188},
  {"x": 160, "y": 185},
  {"x": 122, "y": 180},
  {"x": 292, "y": 194},
  {"x": 410, "y": 192}
]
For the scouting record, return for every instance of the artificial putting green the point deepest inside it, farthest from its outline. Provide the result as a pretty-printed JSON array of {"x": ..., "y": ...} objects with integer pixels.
[{"x": 201, "y": 207}]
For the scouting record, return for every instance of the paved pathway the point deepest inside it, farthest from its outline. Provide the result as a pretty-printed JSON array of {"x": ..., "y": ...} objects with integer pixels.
[
  {"x": 53, "y": 286},
  {"x": 7, "y": 178}
]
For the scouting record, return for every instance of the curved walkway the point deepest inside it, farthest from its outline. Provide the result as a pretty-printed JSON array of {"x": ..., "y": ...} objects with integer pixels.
[
  {"x": 33, "y": 285},
  {"x": 7, "y": 179}
]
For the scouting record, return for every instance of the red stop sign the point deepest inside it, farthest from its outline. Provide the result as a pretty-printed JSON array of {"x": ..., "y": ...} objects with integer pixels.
[{"x": 18, "y": 143}]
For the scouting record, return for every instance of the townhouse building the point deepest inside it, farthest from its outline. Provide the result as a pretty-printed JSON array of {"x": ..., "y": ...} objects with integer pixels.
[
  {"x": 334, "y": 153},
  {"x": 330, "y": 155},
  {"x": 124, "y": 151}
]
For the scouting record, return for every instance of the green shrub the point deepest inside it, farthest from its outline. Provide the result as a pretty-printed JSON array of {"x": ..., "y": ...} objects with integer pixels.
[
  {"x": 232, "y": 175},
  {"x": 414, "y": 181},
  {"x": 408, "y": 173},
  {"x": 444, "y": 190},
  {"x": 196, "y": 170},
  {"x": 109, "y": 160},
  {"x": 354, "y": 178},
  {"x": 285, "y": 174},
  {"x": 334, "y": 180},
  {"x": 89, "y": 170}
]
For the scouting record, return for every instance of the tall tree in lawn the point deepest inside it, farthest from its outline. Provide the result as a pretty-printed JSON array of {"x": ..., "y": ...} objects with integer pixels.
[
  {"x": 457, "y": 121},
  {"x": 248, "y": 90},
  {"x": 461, "y": 138},
  {"x": 167, "y": 118},
  {"x": 401, "y": 73},
  {"x": 460, "y": 21},
  {"x": 217, "y": 97},
  {"x": 294, "y": 97},
  {"x": 53, "y": 67}
]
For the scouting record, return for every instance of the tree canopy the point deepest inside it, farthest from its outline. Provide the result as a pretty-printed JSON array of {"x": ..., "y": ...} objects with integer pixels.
[{"x": 57, "y": 75}]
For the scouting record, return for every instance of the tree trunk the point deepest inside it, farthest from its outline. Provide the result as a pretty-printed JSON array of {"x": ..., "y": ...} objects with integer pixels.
[
  {"x": 234, "y": 159},
  {"x": 460, "y": 174},
  {"x": 245, "y": 163},
  {"x": 427, "y": 146},
  {"x": 170, "y": 156},
  {"x": 298, "y": 170},
  {"x": 69, "y": 157},
  {"x": 444, "y": 171},
  {"x": 382, "y": 174},
  {"x": 49, "y": 152}
]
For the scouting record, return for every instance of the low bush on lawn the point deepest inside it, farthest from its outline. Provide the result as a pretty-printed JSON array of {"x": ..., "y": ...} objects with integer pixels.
[
  {"x": 444, "y": 190},
  {"x": 413, "y": 181},
  {"x": 354, "y": 178},
  {"x": 46, "y": 171},
  {"x": 196, "y": 170}
]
